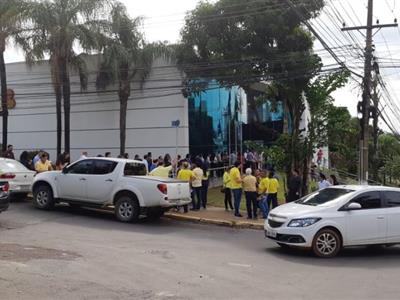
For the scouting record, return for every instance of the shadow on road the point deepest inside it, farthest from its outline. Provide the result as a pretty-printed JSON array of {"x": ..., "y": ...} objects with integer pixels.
[{"x": 358, "y": 257}]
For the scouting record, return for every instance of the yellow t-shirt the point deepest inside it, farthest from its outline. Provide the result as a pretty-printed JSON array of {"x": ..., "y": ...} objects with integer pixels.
[
  {"x": 273, "y": 185},
  {"x": 161, "y": 171},
  {"x": 43, "y": 167},
  {"x": 263, "y": 187},
  {"x": 249, "y": 183},
  {"x": 227, "y": 180},
  {"x": 234, "y": 176},
  {"x": 185, "y": 175}
]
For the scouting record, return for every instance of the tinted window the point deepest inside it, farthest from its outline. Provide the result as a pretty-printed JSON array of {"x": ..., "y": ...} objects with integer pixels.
[
  {"x": 81, "y": 167},
  {"x": 323, "y": 196},
  {"x": 369, "y": 200},
  {"x": 102, "y": 167},
  {"x": 392, "y": 198},
  {"x": 135, "y": 169}
]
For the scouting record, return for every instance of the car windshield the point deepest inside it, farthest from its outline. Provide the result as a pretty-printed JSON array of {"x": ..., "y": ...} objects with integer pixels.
[
  {"x": 135, "y": 169},
  {"x": 11, "y": 166},
  {"x": 323, "y": 196}
]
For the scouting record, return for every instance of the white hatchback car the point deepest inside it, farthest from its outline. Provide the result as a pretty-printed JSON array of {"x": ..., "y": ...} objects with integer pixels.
[
  {"x": 18, "y": 176},
  {"x": 336, "y": 217}
]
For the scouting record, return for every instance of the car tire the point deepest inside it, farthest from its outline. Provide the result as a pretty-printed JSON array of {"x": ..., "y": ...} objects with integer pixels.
[
  {"x": 327, "y": 243},
  {"x": 127, "y": 209},
  {"x": 43, "y": 197}
]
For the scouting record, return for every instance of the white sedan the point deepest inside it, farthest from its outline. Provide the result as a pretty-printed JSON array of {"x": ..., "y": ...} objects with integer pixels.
[
  {"x": 18, "y": 176},
  {"x": 108, "y": 182},
  {"x": 336, "y": 217}
]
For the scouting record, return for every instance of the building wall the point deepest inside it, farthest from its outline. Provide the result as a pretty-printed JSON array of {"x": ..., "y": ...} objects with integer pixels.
[{"x": 95, "y": 114}]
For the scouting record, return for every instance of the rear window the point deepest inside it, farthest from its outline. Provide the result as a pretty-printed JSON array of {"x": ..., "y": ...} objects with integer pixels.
[
  {"x": 135, "y": 169},
  {"x": 324, "y": 196},
  {"x": 7, "y": 166}
]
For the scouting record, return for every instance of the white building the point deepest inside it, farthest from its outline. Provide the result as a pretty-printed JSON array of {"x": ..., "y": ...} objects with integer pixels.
[{"x": 95, "y": 114}]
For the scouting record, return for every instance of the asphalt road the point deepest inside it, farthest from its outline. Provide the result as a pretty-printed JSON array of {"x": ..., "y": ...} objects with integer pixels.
[{"x": 81, "y": 254}]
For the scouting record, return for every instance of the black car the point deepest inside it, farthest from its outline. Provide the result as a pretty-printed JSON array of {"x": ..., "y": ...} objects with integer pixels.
[{"x": 4, "y": 195}]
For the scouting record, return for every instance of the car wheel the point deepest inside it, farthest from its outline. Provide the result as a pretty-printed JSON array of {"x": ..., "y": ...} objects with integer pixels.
[
  {"x": 327, "y": 243},
  {"x": 127, "y": 209},
  {"x": 43, "y": 197}
]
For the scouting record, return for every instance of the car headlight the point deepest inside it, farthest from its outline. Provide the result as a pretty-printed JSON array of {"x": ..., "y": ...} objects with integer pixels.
[{"x": 303, "y": 222}]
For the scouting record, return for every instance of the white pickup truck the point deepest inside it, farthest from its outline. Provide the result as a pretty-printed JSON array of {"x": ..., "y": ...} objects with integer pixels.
[{"x": 108, "y": 182}]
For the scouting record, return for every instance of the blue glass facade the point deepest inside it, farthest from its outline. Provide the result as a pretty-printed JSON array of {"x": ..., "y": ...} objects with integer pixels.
[{"x": 216, "y": 115}]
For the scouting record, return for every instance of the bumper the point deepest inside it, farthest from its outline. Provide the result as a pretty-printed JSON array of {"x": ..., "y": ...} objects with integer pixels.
[
  {"x": 175, "y": 202},
  {"x": 4, "y": 201},
  {"x": 20, "y": 188},
  {"x": 299, "y": 237}
]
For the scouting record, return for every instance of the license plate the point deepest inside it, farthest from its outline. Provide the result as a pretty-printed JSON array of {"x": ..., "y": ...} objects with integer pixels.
[{"x": 271, "y": 233}]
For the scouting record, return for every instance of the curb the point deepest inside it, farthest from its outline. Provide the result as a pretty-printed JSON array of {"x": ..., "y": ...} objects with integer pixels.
[{"x": 225, "y": 223}]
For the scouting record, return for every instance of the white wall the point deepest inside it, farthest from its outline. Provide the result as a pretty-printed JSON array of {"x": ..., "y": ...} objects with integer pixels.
[{"x": 95, "y": 116}]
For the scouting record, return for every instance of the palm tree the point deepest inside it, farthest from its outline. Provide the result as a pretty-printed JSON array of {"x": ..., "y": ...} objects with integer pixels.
[
  {"x": 59, "y": 26},
  {"x": 126, "y": 56},
  {"x": 11, "y": 15}
]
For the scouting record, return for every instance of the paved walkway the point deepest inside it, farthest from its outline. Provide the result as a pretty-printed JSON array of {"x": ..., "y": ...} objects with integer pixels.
[{"x": 217, "y": 216}]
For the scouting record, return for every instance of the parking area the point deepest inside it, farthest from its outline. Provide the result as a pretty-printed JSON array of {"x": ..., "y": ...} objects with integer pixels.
[{"x": 84, "y": 254}]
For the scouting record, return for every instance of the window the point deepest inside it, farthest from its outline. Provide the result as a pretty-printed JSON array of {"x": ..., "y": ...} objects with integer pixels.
[
  {"x": 102, "y": 167},
  {"x": 81, "y": 167},
  {"x": 324, "y": 196},
  {"x": 135, "y": 169},
  {"x": 369, "y": 200},
  {"x": 392, "y": 198}
]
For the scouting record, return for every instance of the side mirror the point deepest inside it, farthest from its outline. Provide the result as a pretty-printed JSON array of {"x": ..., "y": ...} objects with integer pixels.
[
  {"x": 65, "y": 170},
  {"x": 354, "y": 206}
]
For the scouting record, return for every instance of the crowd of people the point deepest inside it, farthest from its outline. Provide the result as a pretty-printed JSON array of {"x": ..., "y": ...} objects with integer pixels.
[{"x": 259, "y": 182}]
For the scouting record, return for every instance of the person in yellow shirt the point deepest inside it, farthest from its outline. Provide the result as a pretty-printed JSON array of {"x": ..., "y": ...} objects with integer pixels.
[
  {"x": 227, "y": 189},
  {"x": 185, "y": 174},
  {"x": 162, "y": 170},
  {"x": 197, "y": 185},
  {"x": 236, "y": 187},
  {"x": 250, "y": 191},
  {"x": 272, "y": 191},
  {"x": 43, "y": 165},
  {"x": 262, "y": 191}
]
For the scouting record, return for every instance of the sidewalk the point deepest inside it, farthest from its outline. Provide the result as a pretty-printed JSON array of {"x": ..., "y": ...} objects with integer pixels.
[{"x": 217, "y": 216}]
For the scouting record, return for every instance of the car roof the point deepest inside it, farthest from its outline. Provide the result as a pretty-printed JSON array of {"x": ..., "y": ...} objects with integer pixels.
[
  {"x": 366, "y": 187},
  {"x": 118, "y": 160}
]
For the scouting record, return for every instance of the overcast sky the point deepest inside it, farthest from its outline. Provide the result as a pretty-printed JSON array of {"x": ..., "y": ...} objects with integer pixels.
[{"x": 164, "y": 19}]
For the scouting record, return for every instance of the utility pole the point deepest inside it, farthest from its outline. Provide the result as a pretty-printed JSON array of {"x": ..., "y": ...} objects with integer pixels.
[{"x": 366, "y": 95}]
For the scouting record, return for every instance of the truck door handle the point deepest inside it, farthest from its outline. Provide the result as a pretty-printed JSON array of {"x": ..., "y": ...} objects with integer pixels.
[
  {"x": 82, "y": 179},
  {"x": 109, "y": 180},
  {"x": 381, "y": 218}
]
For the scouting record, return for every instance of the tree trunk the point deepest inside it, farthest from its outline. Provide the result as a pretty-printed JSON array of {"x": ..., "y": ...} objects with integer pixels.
[
  {"x": 124, "y": 93},
  {"x": 57, "y": 79},
  {"x": 3, "y": 97},
  {"x": 67, "y": 104}
]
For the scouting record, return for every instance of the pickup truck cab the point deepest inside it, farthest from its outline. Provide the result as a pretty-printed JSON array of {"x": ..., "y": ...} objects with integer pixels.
[{"x": 110, "y": 182}]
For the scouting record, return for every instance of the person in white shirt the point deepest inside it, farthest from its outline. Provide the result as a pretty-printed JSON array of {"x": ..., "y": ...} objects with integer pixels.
[
  {"x": 323, "y": 183},
  {"x": 84, "y": 155}
]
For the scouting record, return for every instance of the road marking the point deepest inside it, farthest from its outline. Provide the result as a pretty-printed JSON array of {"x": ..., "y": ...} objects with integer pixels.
[{"x": 239, "y": 265}]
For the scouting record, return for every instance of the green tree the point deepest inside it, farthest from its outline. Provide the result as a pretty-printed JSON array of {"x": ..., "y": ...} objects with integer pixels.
[
  {"x": 126, "y": 56},
  {"x": 321, "y": 107},
  {"x": 244, "y": 42},
  {"x": 12, "y": 14},
  {"x": 60, "y": 27}
]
